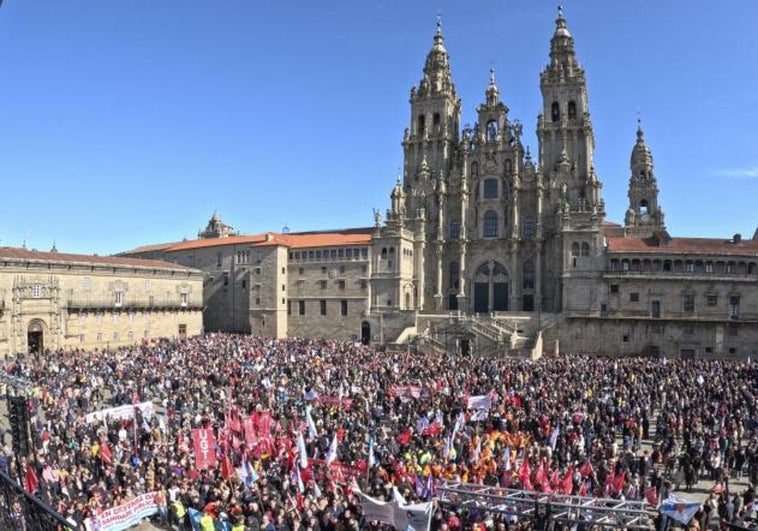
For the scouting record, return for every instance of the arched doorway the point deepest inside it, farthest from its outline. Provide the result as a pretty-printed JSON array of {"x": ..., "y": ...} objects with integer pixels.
[
  {"x": 365, "y": 332},
  {"x": 491, "y": 288},
  {"x": 35, "y": 337}
]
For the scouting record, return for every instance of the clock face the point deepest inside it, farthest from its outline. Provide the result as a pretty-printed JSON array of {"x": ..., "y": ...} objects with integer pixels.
[{"x": 645, "y": 217}]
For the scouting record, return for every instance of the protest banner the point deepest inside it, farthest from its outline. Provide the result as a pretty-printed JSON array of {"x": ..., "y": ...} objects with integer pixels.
[
  {"x": 125, "y": 516},
  {"x": 125, "y": 412},
  {"x": 205, "y": 455}
]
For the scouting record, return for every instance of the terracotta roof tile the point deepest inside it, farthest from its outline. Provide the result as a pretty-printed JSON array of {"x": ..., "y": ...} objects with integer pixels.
[
  {"x": 701, "y": 246},
  {"x": 15, "y": 253},
  {"x": 298, "y": 240},
  {"x": 148, "y": 248}
]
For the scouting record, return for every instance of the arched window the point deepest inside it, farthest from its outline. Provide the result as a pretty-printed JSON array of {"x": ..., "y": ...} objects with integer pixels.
[
  {"x": 384, "y": 252},
  {"x": 575, "y": 249},
  {"x": 572, "y": 110},
  {"x": 455, "y": 229},
  {"x": 490, "y": 224},
  {"x": 421, "y": 124},
  {"x": 555, "y": 112},
  {"x": 585, "y": 249},
  {"x": 436, "y": 119},
  {"x": 490, "y": 189},
  {"x": 644, "y": 209},
  {"x": 491, "y": 131}
]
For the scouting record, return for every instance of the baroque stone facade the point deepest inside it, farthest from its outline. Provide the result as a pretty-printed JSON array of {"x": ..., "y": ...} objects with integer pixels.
[
  {"x": 489, "y": 247},
  {"x": 55, "y": 300}
]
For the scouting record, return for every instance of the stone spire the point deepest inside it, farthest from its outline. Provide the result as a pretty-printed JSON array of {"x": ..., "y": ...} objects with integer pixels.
[
  {"x": 562, "y": 56},
  {"x": 437, "y": 77},
  {"x": 644, "y": 215}
]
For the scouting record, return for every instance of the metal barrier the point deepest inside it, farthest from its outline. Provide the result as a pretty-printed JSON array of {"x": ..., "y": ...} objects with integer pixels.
[
  {"x": 548, "y": 511},
  {"x": 21, "y": 511}
]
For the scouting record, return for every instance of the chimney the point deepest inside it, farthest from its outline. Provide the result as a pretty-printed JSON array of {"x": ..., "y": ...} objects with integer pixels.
[{"x": 737, "y": 239}]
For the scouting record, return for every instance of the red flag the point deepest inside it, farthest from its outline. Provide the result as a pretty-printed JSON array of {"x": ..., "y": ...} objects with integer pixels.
[
  {"x": 618, "y": 481},
  {"x": 586, "y": 469},
  {"x": 540, "y": 476},
  {"x": 584, "y": 488},
  {"x": 567, "y": 483},
  {"x": 405, "y": 437},
  {"x": 30, "y": 480},
  {"x": 651, "y": 496},
  {"x": 226, "y": 468},
  {"x": 105, "y": 453},
  {"x": 524, "y": 474},
  {"x": 205, "y": 455}
]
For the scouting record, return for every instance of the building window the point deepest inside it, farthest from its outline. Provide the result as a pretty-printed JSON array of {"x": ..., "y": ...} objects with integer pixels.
[
  {"x": 257, "y": 270},
  {"x": 490, "y": 224},
  {"x": 244, "y": 283},
  {"x": 575, "y": 249},
  {"x": 734, "y": 306},
  {"x": 585, "y": 249},
  {"x": 219, "y": 257},
  {"x": 341, "y": 284},
  {"x": 734, "y": 331},
  {"x": 226, "y": 279},
  {"x": 289, "y": 307},
  {"x": 572, "y": 110},
  {"x": 87, "y": 283},
  {"x": 687, "y": 330},
  {"x": 185, "y": 296},
  {"x": 655, "y": 309},
  {"x": 36, "y": 291},
  {"x": 284, "y": 287},
  {"x": 625, "y": 338},
  {"x": 343, "y": 308},
  {"x": 119, "y": 298},
  {"x": 322, "y": 307},
  {"x": 322, "y": 283},
  {"x": 454, "y": 276},
  {"x": 99, "y": 337},
  {"x": 732, "y": 350},
  {"x": 349, "y": 254},
  {"x": 688, "y": 302},
  {"x": 712, "y": 300},
  {"x": 301, "y": 307},
  {"x": 115, "y": 336},
  {"x": 528, "y": 227},
  {"x": 614, "y": 288},
  {"x": 300, "y": 270},
  {"x": 528, "y": 274},
  {"x": 323, "y": 270},
  {"x": 490, "y": 189},
  {"x": 634, "y": 297},
  {"x": 656, "y": 328},
  {"x": 455, "y": 229},
  {"x": 555, "y": 112}
]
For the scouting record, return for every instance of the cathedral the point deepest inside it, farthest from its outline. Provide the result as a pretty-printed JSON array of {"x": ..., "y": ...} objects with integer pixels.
[{"x": 489, "y": 248}]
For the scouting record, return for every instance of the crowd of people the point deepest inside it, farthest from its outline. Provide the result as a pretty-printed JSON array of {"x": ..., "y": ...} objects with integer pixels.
[{"x": 299, "y": 424}]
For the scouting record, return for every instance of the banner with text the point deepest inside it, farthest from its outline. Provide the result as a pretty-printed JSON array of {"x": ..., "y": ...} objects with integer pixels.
[
  {"x": 125, "y": 412},
  {"x": 125, "y": 516},
  {"x": 203, "y": 442}
]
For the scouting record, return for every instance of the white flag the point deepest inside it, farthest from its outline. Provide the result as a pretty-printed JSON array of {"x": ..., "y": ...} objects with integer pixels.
[
  {"x": 479, "y": 402},
  {"x": 331, "y": 455},
  {"x": 312, "y": 431},
  {"x": 302, "y": 450}
]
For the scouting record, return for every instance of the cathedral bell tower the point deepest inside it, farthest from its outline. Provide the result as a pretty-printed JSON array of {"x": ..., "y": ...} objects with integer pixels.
[
  {"x": 644, "y": 217},
  {"x": 430, "y": 139},
  {"x": 564, "y": 128}
]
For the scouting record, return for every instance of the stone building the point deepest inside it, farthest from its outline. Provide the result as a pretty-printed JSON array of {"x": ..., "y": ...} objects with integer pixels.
[
  {"x": 313, "y": 284},
  {"x": 491, "y": 248},
  {"x": 521, "y": 250},
  {"x": 52, "y": 300}
]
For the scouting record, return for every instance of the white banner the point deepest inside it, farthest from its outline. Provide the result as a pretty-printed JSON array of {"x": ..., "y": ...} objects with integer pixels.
[
  {"x": 125, "y": 412},
  {"x": 125, "y": 516},
  {"x": 479, "y": 402},
  {"x": 416, "y": 517}
]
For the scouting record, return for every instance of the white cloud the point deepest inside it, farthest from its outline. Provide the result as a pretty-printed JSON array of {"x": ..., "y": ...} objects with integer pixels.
[{"x": 740, "y": 173}]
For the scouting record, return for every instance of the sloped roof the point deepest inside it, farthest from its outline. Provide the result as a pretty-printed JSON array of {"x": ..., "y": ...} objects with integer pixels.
[
  {"x": 18, "y": 254},
  {"x": 356, "y": 236},
  {"x": 701, "y": 246},
  {"x": 148, "y": 248}
]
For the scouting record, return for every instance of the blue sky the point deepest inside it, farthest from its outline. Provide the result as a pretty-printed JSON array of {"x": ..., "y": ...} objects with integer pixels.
[{"x": 128, "y": 122}]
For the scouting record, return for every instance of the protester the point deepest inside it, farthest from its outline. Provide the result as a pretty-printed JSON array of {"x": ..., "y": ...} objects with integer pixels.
[{"x": 293, "y": 425}]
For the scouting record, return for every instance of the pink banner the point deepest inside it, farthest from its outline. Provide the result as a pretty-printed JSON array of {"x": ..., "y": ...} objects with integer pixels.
[
  {"x": 345, "y": 403},
  {"x": 205, "y": 455}
]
